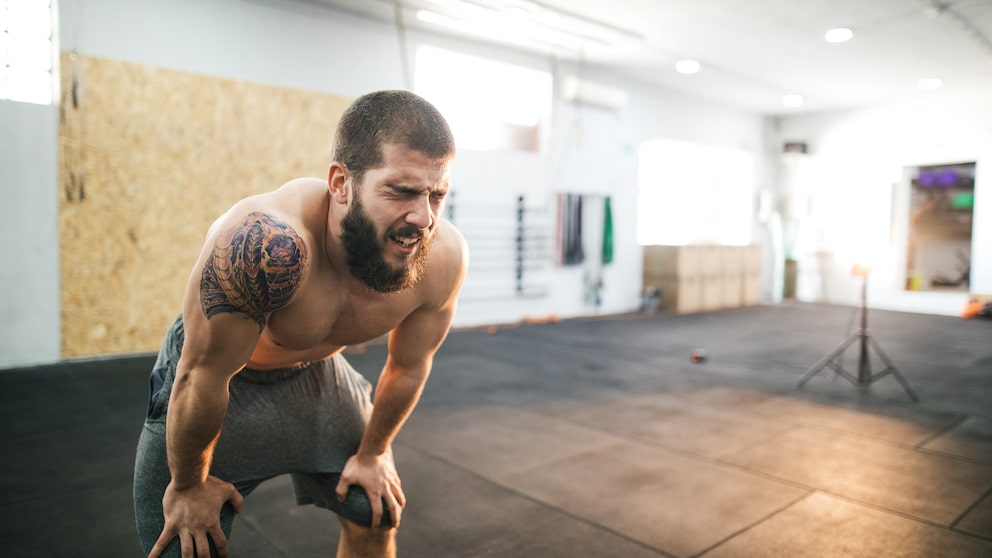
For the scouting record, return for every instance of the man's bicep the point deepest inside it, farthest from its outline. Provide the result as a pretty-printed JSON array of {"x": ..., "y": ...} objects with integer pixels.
[{"x": 220, "y": 346}]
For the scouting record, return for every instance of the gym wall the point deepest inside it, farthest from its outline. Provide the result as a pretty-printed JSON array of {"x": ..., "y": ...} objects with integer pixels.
[{"x": 148, "y": 158}]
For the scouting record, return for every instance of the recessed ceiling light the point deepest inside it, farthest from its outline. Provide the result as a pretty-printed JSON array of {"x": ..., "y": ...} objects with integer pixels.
[
  {"x": 793, "y": 100},
  {"x": 930, "y": 83},
  {"x": 687, "y": 66},
  {"x": 839, "y": 35}
]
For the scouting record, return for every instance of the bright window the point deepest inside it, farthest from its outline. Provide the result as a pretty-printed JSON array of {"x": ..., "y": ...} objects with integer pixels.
[
  {"x": 26, "y": 51},
  {"x": 489, "y": 105},
  {"x": 694, "y": 194}
]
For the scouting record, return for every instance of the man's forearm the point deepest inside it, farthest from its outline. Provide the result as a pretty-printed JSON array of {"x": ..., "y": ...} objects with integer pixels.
[
  {"x": 195, "y": 418},
  {"x": 396, "y": 394}
]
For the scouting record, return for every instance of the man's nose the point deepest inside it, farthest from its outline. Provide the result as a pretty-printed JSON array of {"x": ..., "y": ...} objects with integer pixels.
[{"x": 421, "y": 215}]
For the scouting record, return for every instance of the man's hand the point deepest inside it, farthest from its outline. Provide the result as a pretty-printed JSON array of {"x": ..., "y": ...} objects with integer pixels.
[
  {"x": 193, "y": 513},
  {"x": 377, "y": 475}
]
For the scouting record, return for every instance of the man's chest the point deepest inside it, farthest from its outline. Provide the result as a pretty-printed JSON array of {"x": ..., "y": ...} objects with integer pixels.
[{"x": 336, "y": 319}]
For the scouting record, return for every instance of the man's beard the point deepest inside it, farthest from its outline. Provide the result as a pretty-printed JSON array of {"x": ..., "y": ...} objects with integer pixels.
[{"x": 365, "y": 252}]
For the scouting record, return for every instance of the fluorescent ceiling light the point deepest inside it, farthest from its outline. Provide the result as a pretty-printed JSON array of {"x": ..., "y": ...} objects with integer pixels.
[
  {"x": 533, "y": 21},
  {"x": 469, "y": 27},
  {"x": 687, "y": 66},
  {"x": 930, "y": 83},
  {"x": 502, "y": 31},
  {"x": 793, "y": 100},
  {"x": 839, "y": 35},
  {"x": 456, "y": 4}
]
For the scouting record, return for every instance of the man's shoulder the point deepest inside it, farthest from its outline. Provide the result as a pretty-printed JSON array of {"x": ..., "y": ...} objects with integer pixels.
[
  {"x": 450, "y": 235},
  {"x": 258, "y": 253},
  {"x": 448, "y": 263},
  {"x": 453, "y": 248},
  {"x": 290, "y": 205}
]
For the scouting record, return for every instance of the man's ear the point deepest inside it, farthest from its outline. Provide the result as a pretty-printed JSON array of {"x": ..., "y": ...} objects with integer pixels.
[{"x": 338, "y": 182}]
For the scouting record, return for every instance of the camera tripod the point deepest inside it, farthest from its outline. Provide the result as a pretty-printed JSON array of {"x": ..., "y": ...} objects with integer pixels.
[{"x": 864, "y": 377}]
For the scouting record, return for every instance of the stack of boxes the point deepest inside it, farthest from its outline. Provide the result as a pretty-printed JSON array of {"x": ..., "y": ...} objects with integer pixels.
[
  {"x": 676, "y": 272},
  {"x": 751, "y": 263},
  {"x": 704, "y": 277}
]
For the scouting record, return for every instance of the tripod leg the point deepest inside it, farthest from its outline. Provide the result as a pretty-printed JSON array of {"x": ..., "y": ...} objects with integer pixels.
[
  {"x": 881, "y": 353},
  {"x": 905, "y": 386},
  {"x": 840, "y": 371},
  {"x": 820, "y": 364},
  {"x": 892, "y": 368}
]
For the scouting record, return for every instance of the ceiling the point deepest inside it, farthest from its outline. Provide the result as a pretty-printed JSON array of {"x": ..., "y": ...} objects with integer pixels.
[{"x": 752, "y": 52}]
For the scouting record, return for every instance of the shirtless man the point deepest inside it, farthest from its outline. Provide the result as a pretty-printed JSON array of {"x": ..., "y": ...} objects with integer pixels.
[{"x": 250, "y": 382}]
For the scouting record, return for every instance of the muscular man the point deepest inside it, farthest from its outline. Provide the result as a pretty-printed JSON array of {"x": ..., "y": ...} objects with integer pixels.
[{"x": 250, "y": 382}]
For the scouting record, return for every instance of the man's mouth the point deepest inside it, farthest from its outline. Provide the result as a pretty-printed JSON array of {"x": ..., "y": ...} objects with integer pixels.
[{"x": 406, "y": 241}]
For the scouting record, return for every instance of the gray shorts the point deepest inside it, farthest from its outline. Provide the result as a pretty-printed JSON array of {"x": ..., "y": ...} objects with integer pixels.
[{"x": 305, "y": 421}]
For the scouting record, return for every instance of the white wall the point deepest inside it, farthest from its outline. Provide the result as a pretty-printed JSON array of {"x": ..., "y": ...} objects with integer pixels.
[
  {"x": 29, "y": 277},
  {"x": 303, "y": 45},
  {"x": 279, "y": 42},
  {"x": 859, "y": 196}
]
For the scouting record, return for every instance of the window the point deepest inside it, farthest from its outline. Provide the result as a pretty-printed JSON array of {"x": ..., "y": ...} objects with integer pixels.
[
  {"x": 489, "y": 105},
  {"x": 694, "y": 194},
  {"x": 26, "y": 51}
]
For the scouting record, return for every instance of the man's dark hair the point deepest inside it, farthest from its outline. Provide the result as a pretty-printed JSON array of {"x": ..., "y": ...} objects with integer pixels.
[{"x": 393, "y": 116}]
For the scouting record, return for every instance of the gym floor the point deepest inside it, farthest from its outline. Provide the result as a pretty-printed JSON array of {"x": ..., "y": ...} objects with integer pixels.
[{"x": 588, "y": 438}]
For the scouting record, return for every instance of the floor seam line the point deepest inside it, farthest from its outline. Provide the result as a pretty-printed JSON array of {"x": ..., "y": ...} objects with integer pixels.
[
  {"x": 735, "y": 534},
  {"x": 943, "y": 431},
  {"x": 530, "y": 498},
  {"x": 969, "y": 509}
]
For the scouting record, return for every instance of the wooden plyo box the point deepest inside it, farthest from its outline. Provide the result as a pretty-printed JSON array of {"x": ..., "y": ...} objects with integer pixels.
[{"x": 698, "y": 278}]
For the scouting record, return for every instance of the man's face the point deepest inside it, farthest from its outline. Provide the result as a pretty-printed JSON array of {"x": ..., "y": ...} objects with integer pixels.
[
  {"x": 388, "y": 230},
  {"x": 365, "y": 249}
]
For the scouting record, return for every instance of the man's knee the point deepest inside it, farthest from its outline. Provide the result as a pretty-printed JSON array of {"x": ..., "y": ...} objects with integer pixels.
[{"x": 319, "y": 489}]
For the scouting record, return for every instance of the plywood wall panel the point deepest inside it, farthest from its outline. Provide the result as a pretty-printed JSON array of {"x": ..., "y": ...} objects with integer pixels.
[{"x": 149, "y": 157}]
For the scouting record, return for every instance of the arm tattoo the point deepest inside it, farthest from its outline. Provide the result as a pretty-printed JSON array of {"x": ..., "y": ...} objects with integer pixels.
[{"x": 254, "y": 268}]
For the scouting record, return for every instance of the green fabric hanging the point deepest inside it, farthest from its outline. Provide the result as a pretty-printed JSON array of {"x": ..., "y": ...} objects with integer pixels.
[{"x": 607, "y": 232}]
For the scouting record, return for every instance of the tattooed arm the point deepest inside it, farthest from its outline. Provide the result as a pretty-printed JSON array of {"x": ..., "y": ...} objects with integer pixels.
[
  {"x": 253, "y": 269},
  {"x": 249, "y": 269}
]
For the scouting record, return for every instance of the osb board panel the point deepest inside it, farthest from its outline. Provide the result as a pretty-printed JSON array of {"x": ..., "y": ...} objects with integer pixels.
[{"x": 149, "y": 157}]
